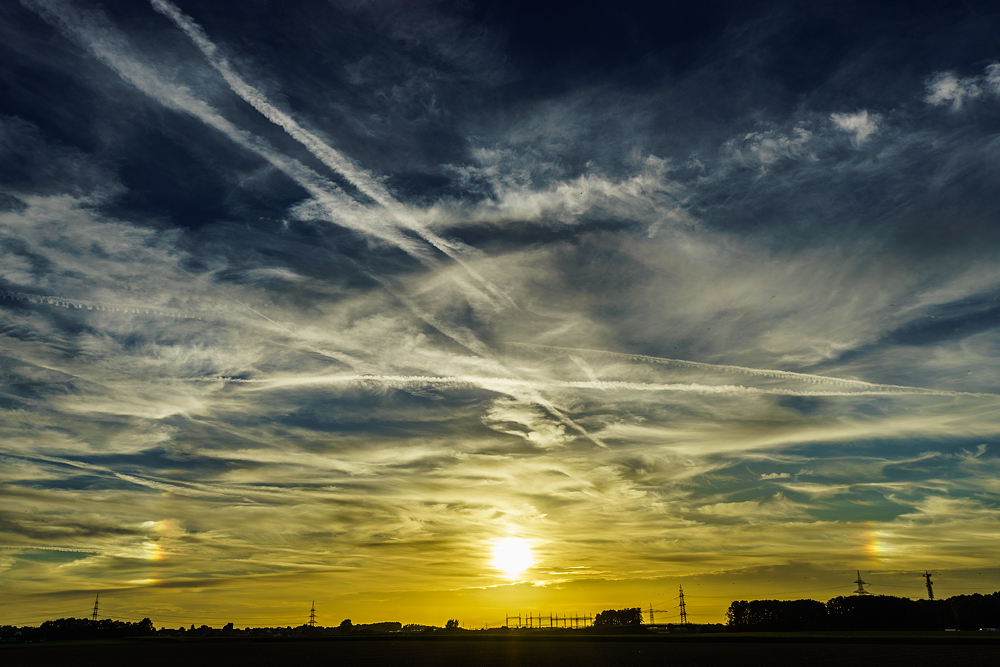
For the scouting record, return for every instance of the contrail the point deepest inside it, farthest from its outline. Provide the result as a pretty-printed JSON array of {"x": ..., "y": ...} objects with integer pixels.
[
  {"x": 506, "y": 385},
  {"x": 329, "y": 156},
  {"x": 762, "y": 372},
  {"x": 585, "y": 367},
  {"x": 535, "y": 398},
  {"x": 113, "y": 51},
  {"x": 79, "y": 304},
  {"x": 63, "y": 302},
  {"x": 140, "y": 481},
  {"x": 469, "y": 341},
  {"x": 192, "y": 489},
  {"x": 460, "y": 335}
]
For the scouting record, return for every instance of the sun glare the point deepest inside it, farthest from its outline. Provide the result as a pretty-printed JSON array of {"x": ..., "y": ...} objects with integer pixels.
[{"x": 512, "y": 556}]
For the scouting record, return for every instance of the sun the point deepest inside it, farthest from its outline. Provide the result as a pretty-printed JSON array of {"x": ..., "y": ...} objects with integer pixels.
[{"x": 512, "y": 556}]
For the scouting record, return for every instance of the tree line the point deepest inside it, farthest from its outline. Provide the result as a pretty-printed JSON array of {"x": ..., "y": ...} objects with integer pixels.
[
  {"x": 85, "y": 628},
  {"x": 867, "y": 612}
]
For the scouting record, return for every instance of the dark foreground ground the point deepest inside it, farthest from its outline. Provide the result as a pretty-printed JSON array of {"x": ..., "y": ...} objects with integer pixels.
[{"x": 489, "y": 652}]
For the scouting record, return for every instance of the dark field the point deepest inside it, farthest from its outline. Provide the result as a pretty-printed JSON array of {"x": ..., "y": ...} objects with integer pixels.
[{"x": 503, "y": 652}]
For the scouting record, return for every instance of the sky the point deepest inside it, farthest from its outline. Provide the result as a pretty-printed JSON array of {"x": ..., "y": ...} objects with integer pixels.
[{"x": 324, "y": 301}]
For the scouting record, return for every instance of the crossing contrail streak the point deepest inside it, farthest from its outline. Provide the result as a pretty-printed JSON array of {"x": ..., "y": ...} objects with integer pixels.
[
  {"x": 761, "y": 372},
  {"x": 585, "y": 367},
  {"x": 460, "y": 335},
  {"x": 332, "y": 158},
  {"x": 468, "y": 340},
  {"x": 328, "y": 155},
  {"x": 113, "y": 50},
  {"x": 506, "y": 385},
  {"x": 191, "y": 490}
]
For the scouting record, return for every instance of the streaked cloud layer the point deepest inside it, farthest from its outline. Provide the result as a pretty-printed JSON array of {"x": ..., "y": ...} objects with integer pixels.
[{"x": 323, "y": 301}]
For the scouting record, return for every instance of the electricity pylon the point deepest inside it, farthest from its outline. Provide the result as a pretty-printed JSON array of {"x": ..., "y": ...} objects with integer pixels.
[
  {"x": 312, "y": 615},
  {"x": 930, "y": 586},
  {"x": 95, "y": 606},
  {"x": 861, "y": 586},
  {"x": 684, "y": 614}
]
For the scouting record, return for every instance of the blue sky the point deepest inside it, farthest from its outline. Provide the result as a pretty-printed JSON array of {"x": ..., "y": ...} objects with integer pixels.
[{"x": 324, "y": 300}]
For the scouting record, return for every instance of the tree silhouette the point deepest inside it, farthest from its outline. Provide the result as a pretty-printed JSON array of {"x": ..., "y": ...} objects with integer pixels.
[
  {"x": 867, "y": 612},
  {"x": 452, "y": 624},
  {"x": 790, "y": 615},
  {"x": 619, "y": 617}
]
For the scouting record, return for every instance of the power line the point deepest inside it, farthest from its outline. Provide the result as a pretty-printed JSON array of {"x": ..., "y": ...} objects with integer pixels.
[{"x": 809, "y": 590}]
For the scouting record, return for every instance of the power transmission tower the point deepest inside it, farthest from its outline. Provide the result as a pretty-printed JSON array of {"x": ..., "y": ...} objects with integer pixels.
[
  {"x": 95, "y": 606},
  {"x": 684, "y": 614},
  {"x": 930, "y": 586},
  {"x": 861, "y": 586},
  {"x": 652, "y": 619}
]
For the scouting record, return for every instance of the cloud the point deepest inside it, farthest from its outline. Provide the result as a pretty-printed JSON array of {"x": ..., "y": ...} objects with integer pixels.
[
  {"x": 947, "y": 88},
  {"x": 763, "y": 149},
  {"x": 860, "y": 125},
  {"x": 577, "y": 315},
  {"x": 335, "y": 160},
  {"x": 992, "y": 78},
  {"x": 535, "y": 428},
  {"x": 753, "y": 511}
]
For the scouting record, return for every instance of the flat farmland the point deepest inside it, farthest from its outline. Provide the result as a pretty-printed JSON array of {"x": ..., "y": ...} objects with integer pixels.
[{"x": 490, "y": 652}]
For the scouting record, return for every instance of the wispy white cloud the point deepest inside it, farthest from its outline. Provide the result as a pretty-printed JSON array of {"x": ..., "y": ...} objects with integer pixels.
[
  {"x": 860, "y": 125},
  {"x": 762, "y": 149},
  {"x": 947, "y": 88},
  {"x": 992, "y": 78}
]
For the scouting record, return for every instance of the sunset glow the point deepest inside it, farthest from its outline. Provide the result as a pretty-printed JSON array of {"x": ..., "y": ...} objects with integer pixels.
[{"x": 423, "y": 311}]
